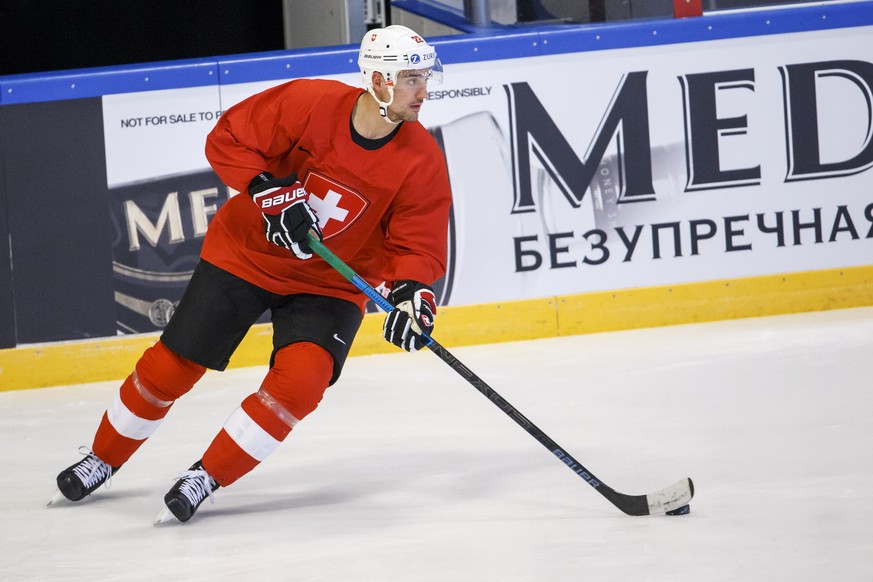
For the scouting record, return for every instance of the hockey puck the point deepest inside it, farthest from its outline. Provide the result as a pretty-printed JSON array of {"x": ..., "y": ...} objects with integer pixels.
[{"x": 685, "y": 509}]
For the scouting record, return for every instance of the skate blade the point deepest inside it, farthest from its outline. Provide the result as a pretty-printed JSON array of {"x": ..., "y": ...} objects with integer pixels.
[
  {"x": 58, "y": 496},
  {"x": 164, "y": 516}
]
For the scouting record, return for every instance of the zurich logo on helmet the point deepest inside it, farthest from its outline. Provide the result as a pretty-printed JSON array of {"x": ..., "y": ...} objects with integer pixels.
[{"x": 415, "y": 59}]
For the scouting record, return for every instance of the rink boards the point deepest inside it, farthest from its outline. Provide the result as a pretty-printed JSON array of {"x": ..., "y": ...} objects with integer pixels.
[{"x": 604, "y": 177}]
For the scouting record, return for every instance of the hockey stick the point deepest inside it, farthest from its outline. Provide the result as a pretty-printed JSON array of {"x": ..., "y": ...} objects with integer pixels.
[{"x": 671, "y": 500}]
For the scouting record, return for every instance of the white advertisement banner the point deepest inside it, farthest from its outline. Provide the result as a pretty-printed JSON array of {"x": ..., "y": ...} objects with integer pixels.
[
  {"x": 659, "y": 165},
  {"x": 613, "y": 169}
]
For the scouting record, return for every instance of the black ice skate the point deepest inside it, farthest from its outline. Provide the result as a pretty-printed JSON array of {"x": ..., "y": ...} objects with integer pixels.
[
  {"x": 81, "y": 479},
  {"x": 183, "y": 498}
]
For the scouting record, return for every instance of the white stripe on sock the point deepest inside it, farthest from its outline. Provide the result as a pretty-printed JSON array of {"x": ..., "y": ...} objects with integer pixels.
[
  {"x": 250, "y": 437},
  {"x": 127, "y": 423}
]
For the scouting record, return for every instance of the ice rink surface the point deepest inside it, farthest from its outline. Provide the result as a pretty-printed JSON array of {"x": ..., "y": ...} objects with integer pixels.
[{"x": 407, "y": 473}]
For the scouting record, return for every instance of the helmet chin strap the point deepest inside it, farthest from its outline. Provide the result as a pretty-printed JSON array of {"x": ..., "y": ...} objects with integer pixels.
[{"x": 383, "y": 106}]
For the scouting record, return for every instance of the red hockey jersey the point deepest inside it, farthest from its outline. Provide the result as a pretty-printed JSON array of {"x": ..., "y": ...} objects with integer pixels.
[{"x": 383, "y": 211}]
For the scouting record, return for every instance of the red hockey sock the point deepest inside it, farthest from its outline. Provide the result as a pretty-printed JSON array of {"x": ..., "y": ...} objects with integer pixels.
[
  {"x": 291, "y": 390},
  {"x": 145, "y": 397}
]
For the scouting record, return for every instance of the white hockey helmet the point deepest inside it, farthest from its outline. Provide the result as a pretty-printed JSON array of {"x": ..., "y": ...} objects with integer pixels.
[{"x": 393, "y": 49}]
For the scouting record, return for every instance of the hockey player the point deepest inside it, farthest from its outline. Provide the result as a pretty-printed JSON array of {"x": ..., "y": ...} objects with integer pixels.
[{"x": 354, "y": 168}]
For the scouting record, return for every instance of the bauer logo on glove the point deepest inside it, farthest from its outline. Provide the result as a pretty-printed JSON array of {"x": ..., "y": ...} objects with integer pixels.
[
  {"x": 287, "y": 216},
  {"x": 274, "y": 204}
]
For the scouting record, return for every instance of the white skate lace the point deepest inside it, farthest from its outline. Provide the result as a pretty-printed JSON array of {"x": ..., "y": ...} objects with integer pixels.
[
  {"x": 196, "y": 485},
  {"x": 92, "y": 470}
]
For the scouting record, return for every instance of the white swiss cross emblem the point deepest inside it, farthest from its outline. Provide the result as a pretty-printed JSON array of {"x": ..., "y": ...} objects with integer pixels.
[{"x": 337, "y": 206}]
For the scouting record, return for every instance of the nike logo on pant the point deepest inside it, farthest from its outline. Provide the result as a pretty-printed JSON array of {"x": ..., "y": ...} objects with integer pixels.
[{"x": 337, "y": 338}]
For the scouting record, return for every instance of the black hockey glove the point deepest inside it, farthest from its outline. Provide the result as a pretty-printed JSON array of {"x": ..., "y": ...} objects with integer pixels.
[
  {"x": 414, "y": 312},
  {"x": 288, "y": 217}
]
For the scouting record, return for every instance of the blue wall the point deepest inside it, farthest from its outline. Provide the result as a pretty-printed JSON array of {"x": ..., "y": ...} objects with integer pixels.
[{"x": 483, "y": 45}]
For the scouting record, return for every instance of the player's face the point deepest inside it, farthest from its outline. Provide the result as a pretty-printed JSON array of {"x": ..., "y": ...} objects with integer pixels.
[{"x": 410, "y": 91}]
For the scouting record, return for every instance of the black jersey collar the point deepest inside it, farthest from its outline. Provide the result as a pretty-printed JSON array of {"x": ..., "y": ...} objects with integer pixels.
[{"x": 371, "y": 144}]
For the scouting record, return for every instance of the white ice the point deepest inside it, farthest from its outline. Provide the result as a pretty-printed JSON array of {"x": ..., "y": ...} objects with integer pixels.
[{"x": 407, "y": 473}]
